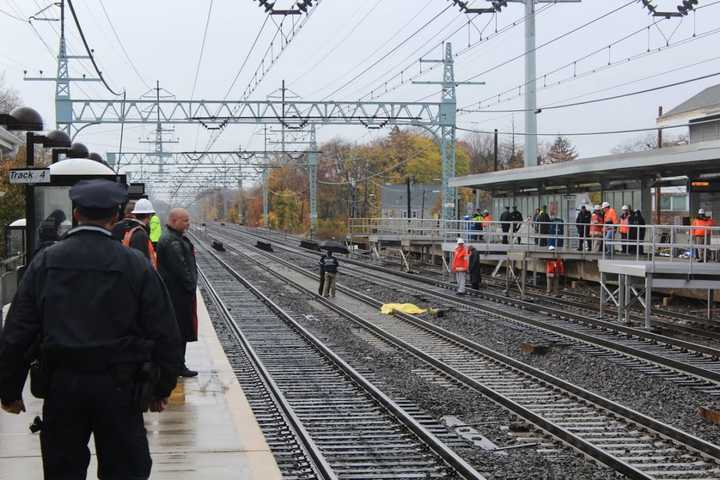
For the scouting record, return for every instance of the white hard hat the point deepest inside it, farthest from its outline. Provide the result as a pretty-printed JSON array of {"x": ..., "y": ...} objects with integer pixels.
[
  {"x": 460, "y": 241},
  {"x": 143, "y": 206},
  {"x": 551, "y": 247},
  {"x": 596, "y": 207},
  {"x": 605, "y": 204},
  {"x": 701, "y": 211},
  {"x": 625, "y": 207}
]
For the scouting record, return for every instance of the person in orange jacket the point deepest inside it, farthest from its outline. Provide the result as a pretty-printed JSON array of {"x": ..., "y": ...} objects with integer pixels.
[
  {"x": 554, "y": 269},
  {"x": 610, "y": 219},
  {"x": 700, "y": 232},
  {"x": 624, "y": 228},
  {"x": 460, "y": 265},
  {"x": 596, "y": 228}
]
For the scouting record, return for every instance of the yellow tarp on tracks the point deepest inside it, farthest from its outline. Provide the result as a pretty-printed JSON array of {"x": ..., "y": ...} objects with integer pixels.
[{"x": 389, "y": 308}]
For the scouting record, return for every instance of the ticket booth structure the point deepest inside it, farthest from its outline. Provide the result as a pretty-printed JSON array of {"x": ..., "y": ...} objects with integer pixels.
[{"x": 49, "y": 194}]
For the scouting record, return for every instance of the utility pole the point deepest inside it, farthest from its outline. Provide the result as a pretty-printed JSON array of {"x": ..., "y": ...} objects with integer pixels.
[
  {"x": 530, "y": 76},
  {"x": 265, "y": 175},
  {"x": 312, "y": 179},
  {"x": 409, "y": 203},
  {"x": 495, "y": 151},
  {"x": 658, "y": 187}
]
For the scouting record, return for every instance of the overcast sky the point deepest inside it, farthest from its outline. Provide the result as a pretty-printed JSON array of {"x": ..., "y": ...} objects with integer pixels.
[{"x": 343, "y": 37}]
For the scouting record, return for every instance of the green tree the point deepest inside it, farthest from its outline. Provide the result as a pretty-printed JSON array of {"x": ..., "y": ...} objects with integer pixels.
[{"x": 560, "y": 151}]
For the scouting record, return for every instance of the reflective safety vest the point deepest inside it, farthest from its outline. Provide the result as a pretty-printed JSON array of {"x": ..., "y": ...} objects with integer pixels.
[
  {"x": 155, "y": 229},
  {"x": 699, "y": 222},
  {"x": 596, "y": 224},
  {"x": 461, "y": 261},
  {"x": 625, "y": 224},
  {"x": 127, "y": 238},
  {"x": 554, "y": 268},
  {"x": 611, "y": 216},
  {"x": 486, "y": 221}
]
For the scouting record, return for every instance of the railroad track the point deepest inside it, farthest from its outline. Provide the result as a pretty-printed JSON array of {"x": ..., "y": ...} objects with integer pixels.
[
  {"x": 688, "y": 364},
  {"x": 332, "y": 419},
  {"x": 631, "y": 443},
  {"x": 665, "y": 320}
]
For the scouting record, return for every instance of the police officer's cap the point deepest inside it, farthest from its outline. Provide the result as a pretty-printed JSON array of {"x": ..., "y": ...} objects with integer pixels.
[{"x": 99, "y": 194}]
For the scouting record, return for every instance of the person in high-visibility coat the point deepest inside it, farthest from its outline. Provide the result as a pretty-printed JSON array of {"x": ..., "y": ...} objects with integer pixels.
[
  {"x": 624, "y": 227},
  {"x": 701, "y": 232},
  {"x": 610, "y": 218},
  {"x": 554, "y": 269},
  {"x": 596, "y": 228},
  {"x": 155, "y": 230},
  {"x": 460, "y": 265}
]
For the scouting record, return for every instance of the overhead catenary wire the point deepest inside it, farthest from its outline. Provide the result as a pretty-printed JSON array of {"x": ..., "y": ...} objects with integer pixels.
[
  {"x": 586, "y": 134},
  {"x": 603, "y": 99},
  {"x": 89, "y": 50},
  {"x": 14, "y": 17},
  {"x": 122, "y": 46}
]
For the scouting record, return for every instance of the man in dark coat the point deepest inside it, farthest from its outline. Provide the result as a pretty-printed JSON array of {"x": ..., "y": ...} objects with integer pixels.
[
  {"x": 176, "y": 264},
  {"x": 97, "y": 317},
  {"x": 505, "y": 218},
  {"x": 517, "y": 220},
  {"x": 544, "y": 220},
  {"x": 474, "y": 268},
  {"x": 636, "y": 233},
  {"x": 583, "y": 227},
  {"x": 137, "y": 222}
]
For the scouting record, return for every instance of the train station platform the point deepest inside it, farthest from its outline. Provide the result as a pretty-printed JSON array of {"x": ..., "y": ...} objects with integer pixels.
[{"x": 208, "y": 432}]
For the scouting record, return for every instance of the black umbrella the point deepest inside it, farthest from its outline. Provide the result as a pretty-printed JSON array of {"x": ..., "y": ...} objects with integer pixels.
[{"x": 333, "y": 246}]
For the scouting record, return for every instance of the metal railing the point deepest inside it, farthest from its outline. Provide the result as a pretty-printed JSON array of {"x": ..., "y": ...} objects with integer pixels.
[{"x": 639, "y": 242}]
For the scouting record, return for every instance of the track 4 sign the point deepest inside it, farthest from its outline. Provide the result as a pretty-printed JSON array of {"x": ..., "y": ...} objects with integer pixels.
[{"x": 30, "y": 176}]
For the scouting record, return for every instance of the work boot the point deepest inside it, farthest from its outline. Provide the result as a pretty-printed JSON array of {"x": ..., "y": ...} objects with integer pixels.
[{"x": 187, "y": 373}]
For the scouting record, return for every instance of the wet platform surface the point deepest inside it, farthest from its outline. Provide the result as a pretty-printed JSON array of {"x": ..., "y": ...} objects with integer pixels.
[{"x": 208, "y": 432}]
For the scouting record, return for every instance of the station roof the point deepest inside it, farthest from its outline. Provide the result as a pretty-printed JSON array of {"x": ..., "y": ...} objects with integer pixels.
[
  {"x": 687, "y": 160},
  {"x": 704, "y": 104}
]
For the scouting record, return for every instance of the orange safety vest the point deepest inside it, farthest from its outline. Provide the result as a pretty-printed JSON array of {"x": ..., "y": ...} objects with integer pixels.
[
  {"x": 461, "y": 261},
  {"x": 596, "y": 225},
  {"x": 611, "y": 216},
  {"x": 554, "y": 268},
  {"x": 625, "y": 224},
  {"x": 151, "y": 250},
  {"x": 701, "y": 232}
]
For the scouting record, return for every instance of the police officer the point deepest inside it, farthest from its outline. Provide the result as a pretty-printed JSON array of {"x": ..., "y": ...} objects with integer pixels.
[{"x": 102, "y": 318}]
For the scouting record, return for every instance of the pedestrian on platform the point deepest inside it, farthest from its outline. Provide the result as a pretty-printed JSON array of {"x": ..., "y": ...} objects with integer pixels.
[
  {"x": 94, "y": 319},
  {"x": 321, "y": 285},
  {"x": 474, "y": 268},
  {"x": 460, "y": 265},
  {"x": 582, "y": 221},
  {"x": 610, "y": 219},
  {"x": 176, "y": 264},
  {"x": 637, "y": 233},
  {"x": 487, "y": 225},
  {"x": 544, "y": 226},
  {"x": 155, "y": 230},
  {"x": 134, "y": 230},
  {"x": 536, "y": 225},
  {"x": 477, "y": 224},
  {"x": 554, "y": 269},
  {"x": 329, "y": 264},
  {"x": 701, "y": 233},
  {"x": 624, "y": 228},
  {"x": 517, "y": 221},
  {"x": 596, "y": 228},
  {"x": 506, "y": 219}
]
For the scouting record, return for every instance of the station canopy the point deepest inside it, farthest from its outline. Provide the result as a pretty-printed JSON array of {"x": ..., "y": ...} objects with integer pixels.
[{"x": 696, "y": 160}]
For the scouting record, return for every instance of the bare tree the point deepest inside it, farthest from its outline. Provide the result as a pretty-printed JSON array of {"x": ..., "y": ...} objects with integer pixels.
[
  {"x": 9, "y": 97},
  {"x": 648, "y": 142}
]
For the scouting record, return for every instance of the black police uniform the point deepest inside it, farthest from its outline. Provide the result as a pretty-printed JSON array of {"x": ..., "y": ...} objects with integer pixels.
[{"x": 101, "y": 311}]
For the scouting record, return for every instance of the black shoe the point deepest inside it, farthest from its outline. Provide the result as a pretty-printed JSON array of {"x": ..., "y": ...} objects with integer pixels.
[{"x": 187, "y": 373}]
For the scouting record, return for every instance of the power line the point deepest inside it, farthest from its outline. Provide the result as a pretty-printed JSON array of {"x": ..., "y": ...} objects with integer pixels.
[
  {"x": 202, "y": 49},
  {"x": 88, "y": 50},
  {"x": 393, "y": 50},
  {"x": 555, "y": 39},
  {"x": 122, "y": 46},
  {"x": 247, "y": 57},
  {"x": 604, "y": 99},
  {"x": 586, "y": 134},
  {"x": 8, "y": 14}
]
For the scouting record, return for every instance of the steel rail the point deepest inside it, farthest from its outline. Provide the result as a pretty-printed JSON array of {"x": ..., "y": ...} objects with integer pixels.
[
  {"x": 429, "y": 439},
  {"x": 661, "y": 429},
  {"x": 556, "y": 312},
  {"x": 318, "y": 463}
]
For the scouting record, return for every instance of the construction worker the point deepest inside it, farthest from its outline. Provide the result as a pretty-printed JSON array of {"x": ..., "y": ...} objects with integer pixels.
[
  {"x": 155, "y": 229},
  {"x": 487, "y": 225},
  {"x": 477, "y": 225},
  {"x": 135, "y": 230},
  {"x": 610, "y": 218},
  {"x": 460, "y": 265},
  {"x": 596, "y": 228},
  {"x": 701, "y": 232},
  {"x": 554, "y": 269},
  {"x": 624, "y": 228}
]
